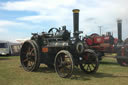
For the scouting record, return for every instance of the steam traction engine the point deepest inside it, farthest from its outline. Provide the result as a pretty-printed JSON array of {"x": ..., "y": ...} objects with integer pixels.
[
  {"x": 101, "y": 44},
  {"x": 122, "y": 47},
  {"x": 108, "y": 44},
  {"x": 59, "y": 50}
]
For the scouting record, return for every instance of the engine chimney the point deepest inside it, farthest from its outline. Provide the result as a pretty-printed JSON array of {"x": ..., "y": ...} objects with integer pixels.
[
  {"x": 76, "y": 22},
  {"x": 119, "y": 25}
]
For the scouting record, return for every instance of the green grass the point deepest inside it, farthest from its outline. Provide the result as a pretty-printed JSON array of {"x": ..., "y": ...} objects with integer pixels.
[{"x": 109, "y": 73}]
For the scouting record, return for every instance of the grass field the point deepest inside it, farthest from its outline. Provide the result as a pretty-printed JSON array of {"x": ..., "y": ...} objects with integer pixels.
[{"x": 109, "y": 73}]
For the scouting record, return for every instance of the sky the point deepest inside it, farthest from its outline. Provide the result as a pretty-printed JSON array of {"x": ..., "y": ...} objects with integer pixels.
[{"x": 20, "y": 18}]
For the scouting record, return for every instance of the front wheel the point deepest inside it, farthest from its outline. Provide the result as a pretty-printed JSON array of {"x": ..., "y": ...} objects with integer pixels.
[
  {"x": 64, "y": 63},
  {"x": 91, "y": 63}
]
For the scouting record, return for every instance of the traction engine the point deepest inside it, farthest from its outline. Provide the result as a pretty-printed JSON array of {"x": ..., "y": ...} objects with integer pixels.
[
  {"x": 101, "y": 44},
  {"x": 58, "y": 50},
  {"x": 108, "y": 44}
]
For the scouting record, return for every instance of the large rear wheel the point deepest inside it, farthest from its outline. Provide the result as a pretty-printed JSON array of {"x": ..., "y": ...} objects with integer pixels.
[
  {"x": 30, "y": 56},
  {"x": 64, "y": 63},
  {"x": 91, "y": 63}
]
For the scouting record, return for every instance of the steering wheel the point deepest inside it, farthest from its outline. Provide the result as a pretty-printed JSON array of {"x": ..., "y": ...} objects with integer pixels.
[{"x": 53, "y": 30}]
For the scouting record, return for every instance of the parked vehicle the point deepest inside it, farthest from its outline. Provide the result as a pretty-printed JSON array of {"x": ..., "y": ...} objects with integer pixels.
[{"x": 9, "y": 48}]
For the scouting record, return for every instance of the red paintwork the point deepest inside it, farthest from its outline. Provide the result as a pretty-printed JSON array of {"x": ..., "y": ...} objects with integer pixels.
[
  {"x": 89, "y": 41},
  {"x": 115, "y": 40},
  {"x": 98, "y": 40},
  {"x": 100, "y": 43}
]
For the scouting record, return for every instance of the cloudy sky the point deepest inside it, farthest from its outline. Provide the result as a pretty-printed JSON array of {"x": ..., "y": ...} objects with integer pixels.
[{"x": 20, "y": 18}]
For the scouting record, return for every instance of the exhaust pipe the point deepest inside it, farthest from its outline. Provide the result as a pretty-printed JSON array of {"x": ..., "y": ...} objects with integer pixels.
[
  {"x": 119, "y": 26},
  {"x": 76, "y": 22}
]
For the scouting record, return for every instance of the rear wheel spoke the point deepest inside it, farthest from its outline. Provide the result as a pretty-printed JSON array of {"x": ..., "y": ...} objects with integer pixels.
[
  {"x": 25, "y": 60},
  {"x": 88, "y": 68},
  {"x": 93, "y": 65}
]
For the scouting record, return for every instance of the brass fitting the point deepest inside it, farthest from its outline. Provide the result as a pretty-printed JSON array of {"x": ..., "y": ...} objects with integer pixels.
[{"x": 76, "y": 10}]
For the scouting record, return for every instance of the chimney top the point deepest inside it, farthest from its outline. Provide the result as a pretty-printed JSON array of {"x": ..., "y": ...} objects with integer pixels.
[
  {"x": 119, "y": 20},
  {"x": 76, "y": 10}
]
